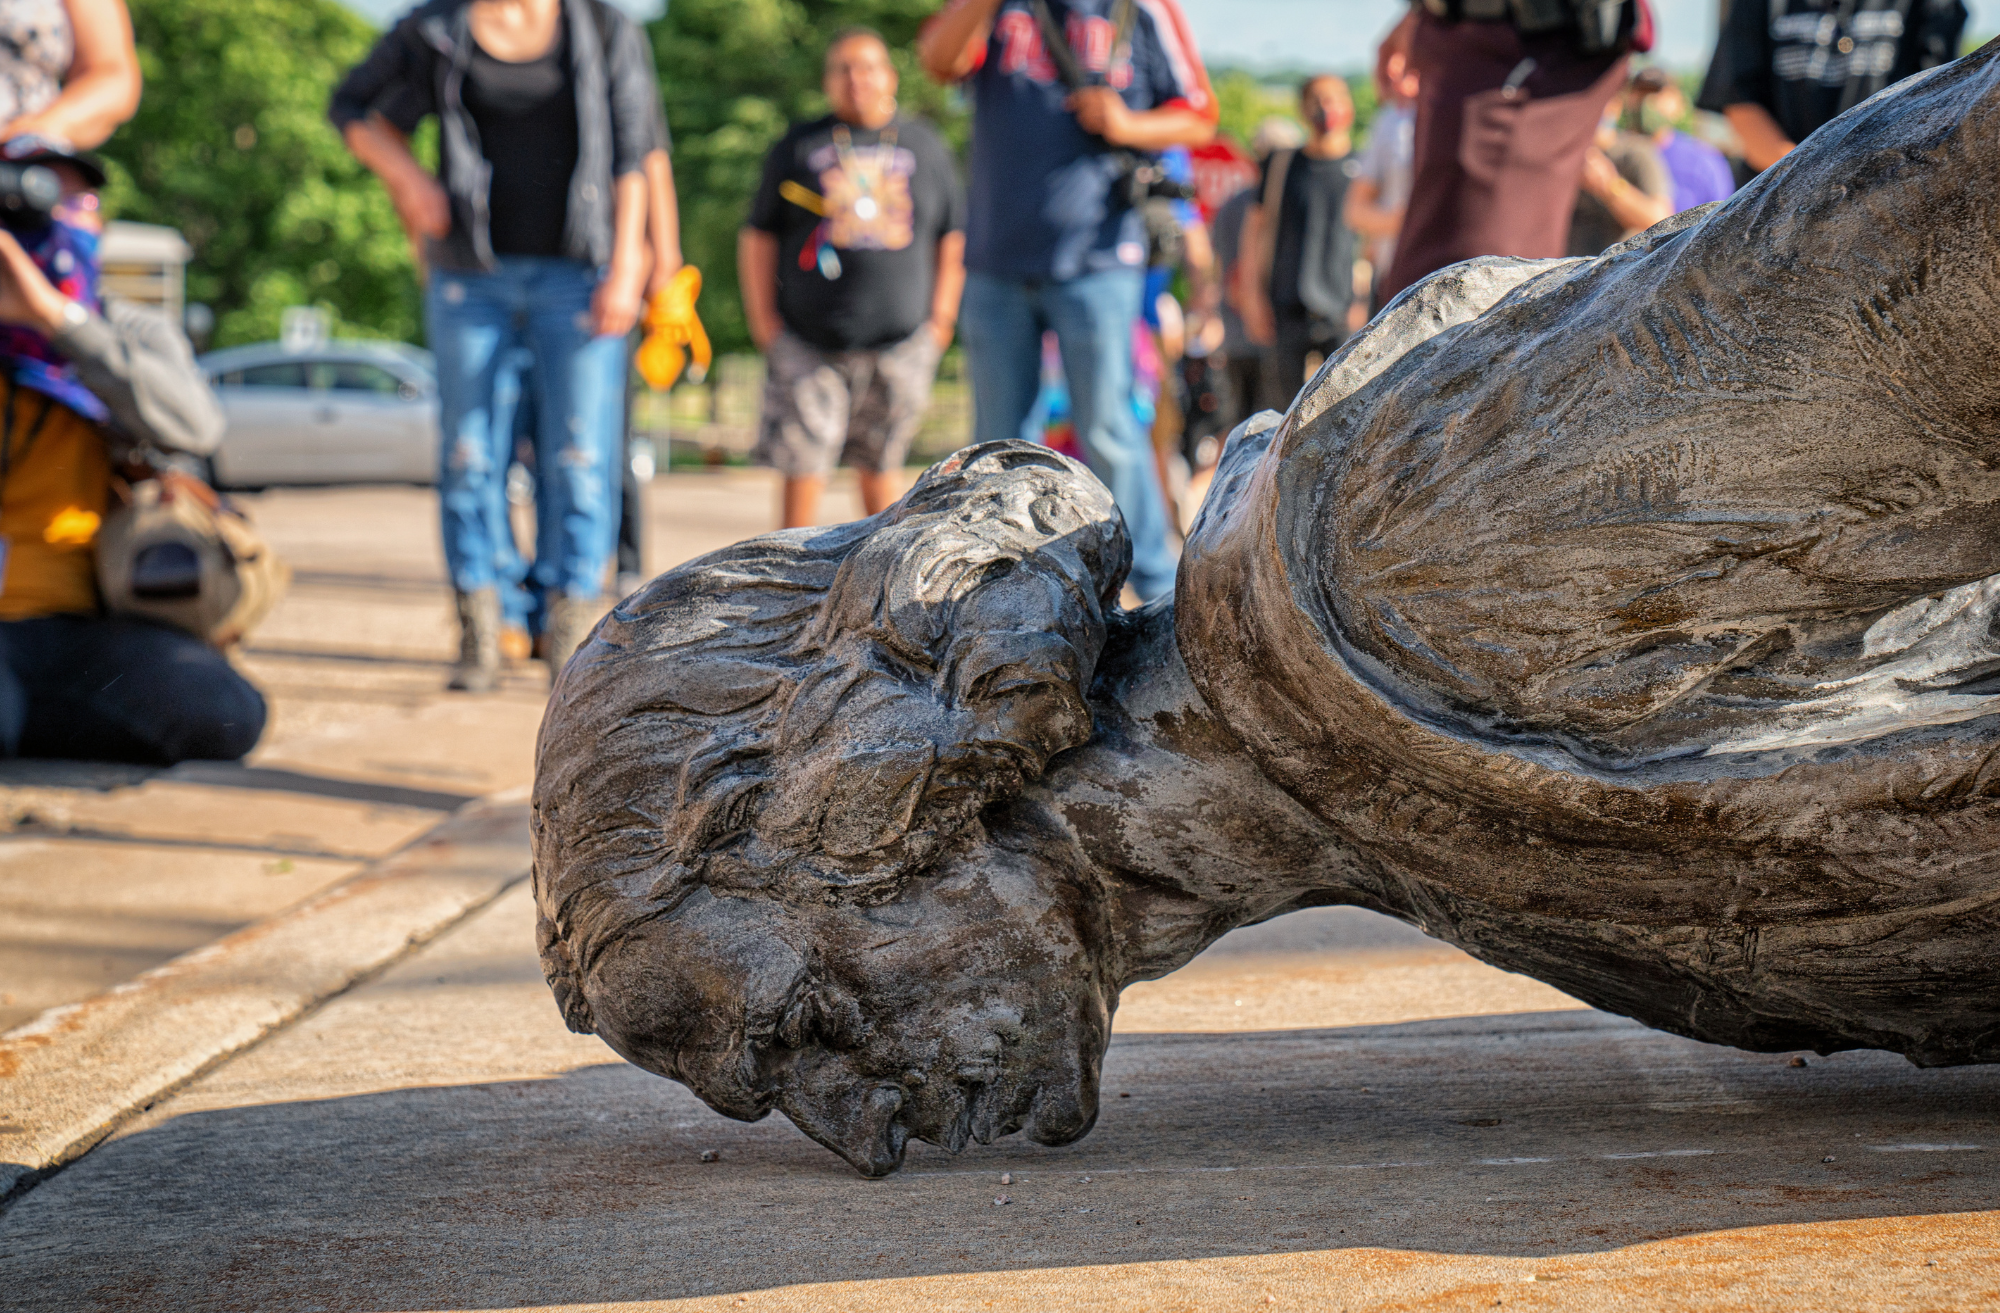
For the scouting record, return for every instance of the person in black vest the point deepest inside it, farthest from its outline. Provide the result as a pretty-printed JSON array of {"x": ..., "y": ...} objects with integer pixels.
[
  {"x": 851, "y": 265},
  {"x": 1296, "y": 284},
  {"x": 1784, "y": 67}
]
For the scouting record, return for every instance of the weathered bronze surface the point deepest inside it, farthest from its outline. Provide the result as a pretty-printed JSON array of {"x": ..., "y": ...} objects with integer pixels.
[{"x": 1630, "y": 623}]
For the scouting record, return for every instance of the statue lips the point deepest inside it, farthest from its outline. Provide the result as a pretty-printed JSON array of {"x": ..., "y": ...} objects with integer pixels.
[{"x": 858, "y": 1122}]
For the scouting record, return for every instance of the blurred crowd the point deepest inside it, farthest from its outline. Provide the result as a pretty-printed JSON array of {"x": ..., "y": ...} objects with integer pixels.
[
  {"x": 1135, "y": 283},
  {"x": 1126, "y": 282}
]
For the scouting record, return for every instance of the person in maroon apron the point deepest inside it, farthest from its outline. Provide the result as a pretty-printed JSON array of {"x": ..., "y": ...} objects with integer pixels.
[{"x": 1506, "y": 113}]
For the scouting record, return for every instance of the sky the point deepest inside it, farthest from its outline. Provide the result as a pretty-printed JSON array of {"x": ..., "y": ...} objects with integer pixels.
[{"x": 1341, "y": 34}]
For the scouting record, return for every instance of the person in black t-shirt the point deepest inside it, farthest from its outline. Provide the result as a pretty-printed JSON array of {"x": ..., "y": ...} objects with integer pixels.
[
  {"x": 1784, "y": 67},
  {"x": 851, "y": 265},
  {"x": 1296, "y": 284}
]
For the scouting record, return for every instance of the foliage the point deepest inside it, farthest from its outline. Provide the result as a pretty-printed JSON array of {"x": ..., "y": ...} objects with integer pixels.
[
  {"x": 1246, "y": 99},
  {"x": 1366, "y": 102},
  {"x": 231, "y": 146},
  {"x": 733, "y": 74}
]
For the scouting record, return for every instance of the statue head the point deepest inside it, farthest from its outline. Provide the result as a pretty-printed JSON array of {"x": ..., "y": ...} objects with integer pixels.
[{"x": 775, "y": 856}]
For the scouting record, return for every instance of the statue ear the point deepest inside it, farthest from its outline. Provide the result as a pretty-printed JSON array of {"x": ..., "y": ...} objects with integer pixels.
[
  {"x": 849, "y": 799},
  {"x": 970, "y": 626},
  {"x": 1033, "y": 682},
  {"x": 877, "y": 791},
  {"x": 827, "y": 707}
]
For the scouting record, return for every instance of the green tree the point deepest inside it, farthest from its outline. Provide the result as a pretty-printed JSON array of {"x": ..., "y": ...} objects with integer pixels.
[
  {"x": 1245, "y": 99},
  {"x": 231, "y": 146},
  {"x": 733, "y": 73}
]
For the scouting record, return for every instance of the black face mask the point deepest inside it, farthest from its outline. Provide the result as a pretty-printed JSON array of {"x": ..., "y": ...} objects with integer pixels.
[{"x": 1316, "y": 117}]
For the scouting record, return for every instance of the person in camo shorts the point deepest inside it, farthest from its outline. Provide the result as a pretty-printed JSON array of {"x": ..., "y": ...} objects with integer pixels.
[{"x": 851, "y": 266}]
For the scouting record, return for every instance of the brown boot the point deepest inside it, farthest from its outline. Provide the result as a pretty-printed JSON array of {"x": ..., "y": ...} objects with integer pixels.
[
  {"x": 570, "y": 622},
  {"x": 478, "y": 667}
]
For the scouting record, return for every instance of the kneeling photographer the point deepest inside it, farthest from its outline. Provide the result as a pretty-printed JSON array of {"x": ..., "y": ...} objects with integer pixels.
[{"x": 87, "y": 396}]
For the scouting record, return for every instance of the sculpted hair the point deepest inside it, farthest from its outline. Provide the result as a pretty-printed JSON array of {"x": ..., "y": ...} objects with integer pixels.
[{"x": 817, "y": 714}]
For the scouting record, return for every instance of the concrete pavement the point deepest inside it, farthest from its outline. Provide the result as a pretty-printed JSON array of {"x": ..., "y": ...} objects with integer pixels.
[
  {"x": 1329, "y": 1111},
  {"x": 109, "y": 871},
  {"x": 436, "y": 1140},
  {"x": 79, "y": 1070}
]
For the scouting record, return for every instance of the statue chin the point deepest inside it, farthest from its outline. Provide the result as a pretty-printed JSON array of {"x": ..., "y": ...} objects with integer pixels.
[{"x": 1628, "y": 622}]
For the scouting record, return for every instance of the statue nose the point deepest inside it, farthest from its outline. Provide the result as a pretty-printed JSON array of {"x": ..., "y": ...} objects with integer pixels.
[
  {"x": 855, "y": 1119},
  {"x": 1065, "y": 1103}
]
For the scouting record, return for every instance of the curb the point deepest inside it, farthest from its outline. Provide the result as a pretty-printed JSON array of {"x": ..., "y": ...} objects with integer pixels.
[{"x": 69, "y": 1077}]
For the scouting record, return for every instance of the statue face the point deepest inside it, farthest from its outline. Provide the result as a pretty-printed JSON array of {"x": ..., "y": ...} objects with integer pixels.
[
  {"x": 974, "y": 1006},
  {"x": 766, "y": 856}
]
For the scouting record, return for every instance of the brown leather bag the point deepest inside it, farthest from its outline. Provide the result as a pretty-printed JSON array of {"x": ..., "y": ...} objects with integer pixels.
[{"x": 178, "y": 553}]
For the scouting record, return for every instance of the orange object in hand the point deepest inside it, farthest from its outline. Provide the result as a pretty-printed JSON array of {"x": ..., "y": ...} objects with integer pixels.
[{"x": 672, "y": 324}]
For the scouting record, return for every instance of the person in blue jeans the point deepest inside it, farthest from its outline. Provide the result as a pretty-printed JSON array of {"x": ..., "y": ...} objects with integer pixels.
[
  {"x": 1052, "y": 238},
  {"x": 551, "y": 147}
]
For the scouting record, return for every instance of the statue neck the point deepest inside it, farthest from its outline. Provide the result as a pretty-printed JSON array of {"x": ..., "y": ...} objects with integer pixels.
[{"x": 1176, "y": 819}]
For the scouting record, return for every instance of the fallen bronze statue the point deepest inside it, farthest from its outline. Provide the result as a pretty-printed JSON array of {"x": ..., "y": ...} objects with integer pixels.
[{"x": 1632, "y": 623}]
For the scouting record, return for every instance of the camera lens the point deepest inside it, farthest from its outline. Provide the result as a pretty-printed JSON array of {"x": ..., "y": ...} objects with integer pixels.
[
  {"x": 40, "y": 188},
  {"x": 28, "y": 194}
]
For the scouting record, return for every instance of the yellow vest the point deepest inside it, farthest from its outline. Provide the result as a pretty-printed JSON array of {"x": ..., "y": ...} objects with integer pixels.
[{"x": 55, "y": 484}]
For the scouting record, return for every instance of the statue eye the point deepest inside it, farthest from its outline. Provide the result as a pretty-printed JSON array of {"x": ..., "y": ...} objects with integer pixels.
[
  {"x": 1012, "y": 681},
  {"x": 830, "y": 1021},
  {"x": 796, "y": 1028}
]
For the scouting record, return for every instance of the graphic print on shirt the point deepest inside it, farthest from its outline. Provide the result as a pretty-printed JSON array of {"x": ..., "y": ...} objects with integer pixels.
[
  {"x": 1816, "y": 47},
  {"x": 1043, "y": 199},
  {"x": 866, "y": 192},
  {"x": 1023, "y": 51}
]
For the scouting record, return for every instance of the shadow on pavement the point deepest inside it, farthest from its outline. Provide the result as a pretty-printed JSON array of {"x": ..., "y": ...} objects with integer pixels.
[
  {"x": 297, "y": 653},
  {"x": 429, "y": 585},
  {"x": 104, "y": 777},
  {"x": 1522, "y": 1136}
]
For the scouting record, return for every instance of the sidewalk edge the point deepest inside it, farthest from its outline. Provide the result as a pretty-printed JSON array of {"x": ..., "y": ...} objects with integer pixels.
[{"x": 72, "y": 1075}]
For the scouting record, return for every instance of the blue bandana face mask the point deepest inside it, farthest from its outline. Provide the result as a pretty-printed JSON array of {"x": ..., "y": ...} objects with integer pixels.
[{"x": 66, "y": 253}]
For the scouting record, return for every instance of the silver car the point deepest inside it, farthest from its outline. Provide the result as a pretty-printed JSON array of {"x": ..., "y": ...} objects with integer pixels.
[{"x": 341, "y": 412}]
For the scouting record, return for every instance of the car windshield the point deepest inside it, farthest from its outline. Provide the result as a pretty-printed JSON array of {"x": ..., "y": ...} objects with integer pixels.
[
  {"x": 354, "y": 376},
  {"x": 318, "y": 376},
  {"x": 283, "y": 374}
]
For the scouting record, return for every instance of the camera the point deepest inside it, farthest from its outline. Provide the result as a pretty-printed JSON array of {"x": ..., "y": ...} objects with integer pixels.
[
  {"x": 1142, "y": 178},
  {"x": 29, "y": 194}
]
